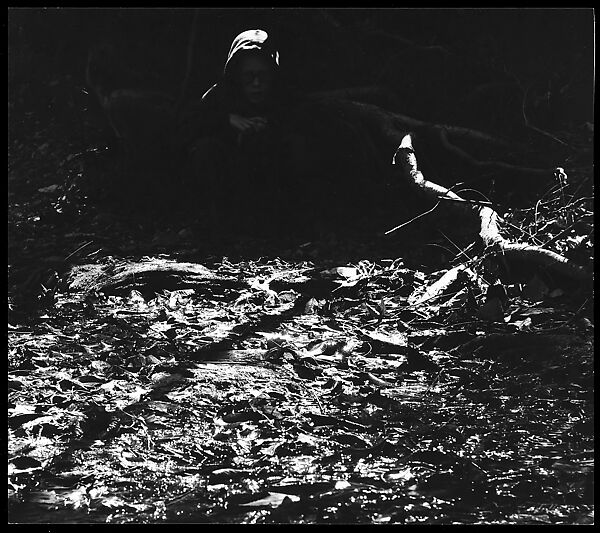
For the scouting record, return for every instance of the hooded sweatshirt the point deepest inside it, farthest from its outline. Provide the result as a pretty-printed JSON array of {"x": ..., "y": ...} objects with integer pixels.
[{"x": 225, "y": 97}]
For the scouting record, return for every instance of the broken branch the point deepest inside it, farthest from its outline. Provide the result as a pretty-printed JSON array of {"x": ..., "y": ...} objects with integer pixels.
[{"x": 489, "y": 220}]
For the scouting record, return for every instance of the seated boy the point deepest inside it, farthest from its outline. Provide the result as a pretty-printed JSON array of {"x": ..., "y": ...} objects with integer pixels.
[{"x": 239, "y": 145}]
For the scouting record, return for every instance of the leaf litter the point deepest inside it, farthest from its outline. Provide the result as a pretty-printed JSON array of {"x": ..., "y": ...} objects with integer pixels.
[{"x": 337, "y": 415}]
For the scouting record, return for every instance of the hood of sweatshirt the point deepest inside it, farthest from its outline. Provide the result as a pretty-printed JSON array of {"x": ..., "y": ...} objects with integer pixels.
[
  {"x": 224, "y": 96},
  {"x": 251, "y": 41}
]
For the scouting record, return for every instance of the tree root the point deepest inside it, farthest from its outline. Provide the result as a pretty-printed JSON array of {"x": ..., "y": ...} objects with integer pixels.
[
  {"x": 356, "y": 102},
  {"x": 157, "y": 274},
  {"x": 370, "y": 106},
  {"x": 489, "y": 220},
  {"x": 493, "y": 165}
]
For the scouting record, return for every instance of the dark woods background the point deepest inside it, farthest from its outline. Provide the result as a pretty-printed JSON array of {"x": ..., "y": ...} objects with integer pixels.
[
  {"x": 487, "y": 418},
  {"x": 495, "y": 70},
  {"x": 437, "y": 60}
]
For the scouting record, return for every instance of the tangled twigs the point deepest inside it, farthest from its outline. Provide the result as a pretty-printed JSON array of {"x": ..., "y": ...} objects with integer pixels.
[
  {"x": 490, "y": 235},
  {"x": 489, "y": 220}
]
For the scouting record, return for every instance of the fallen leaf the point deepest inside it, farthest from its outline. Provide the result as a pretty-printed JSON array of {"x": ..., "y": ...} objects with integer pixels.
[
  {"x": 324, "y": 347},
  {"x": 524, "y": 324},
  {"x": 49, "y": 189},
  {"x": 307, "y": 439},
  {"x": 343, "y": 272},
  {"x": 312, "y": 306},
  {"x": 69, "y": 384},
  {"x": 41, "y": 421},
  {"x": 135, "y": 297},
  {"x": 392, "y": 339},
  {"x": 79, "y": 497},
  {"x": 44, "y": 497},
  {"x": 227, "y": 475},
  {"x": 272, "y": 448},
  {"x": 274, "y": 499},
  {"x": 306, "y": 371},
  {"x": 22, "y": 409},
  {"x": 24, "y": 462},
  {"x": 341, "y": 485},
  {"x": 376, "y": 381},
  {"x": 398, "y": 476},
  {"x": 349, "y": 439},
  {"x": 556, "y": 293}
]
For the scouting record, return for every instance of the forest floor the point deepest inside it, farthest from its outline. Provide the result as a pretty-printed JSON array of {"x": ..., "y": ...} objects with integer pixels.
[{"x": 351, "y": 398}]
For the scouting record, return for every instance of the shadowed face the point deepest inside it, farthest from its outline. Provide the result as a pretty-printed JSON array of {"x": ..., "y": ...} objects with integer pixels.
[{"x": 256, "y": 78}]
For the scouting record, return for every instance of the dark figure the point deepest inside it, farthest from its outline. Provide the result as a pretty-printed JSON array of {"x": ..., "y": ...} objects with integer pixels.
[
  {"x": 244, "y": 156},
  {"x": 251, "y": 156}
]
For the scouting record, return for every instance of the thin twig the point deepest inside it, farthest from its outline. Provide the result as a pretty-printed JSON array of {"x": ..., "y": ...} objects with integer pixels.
[
  {"x": 434, "y": 381},
  {"x": 486, "y": 199},
  {"x": 464, "y": 252},
  {"x": 526, "y": 233},
  {"x": 440, "y": 246},
  {"x": 465, "y": 201},
  {"x": 412, "y": 220},
  {"x": 562, "y": 233},
  {"x": 535, "y": 128},
  {"x": 535, "y": 213},
  {"x": 78, "y": 249},
  {"x": 460, "y": 250}
]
